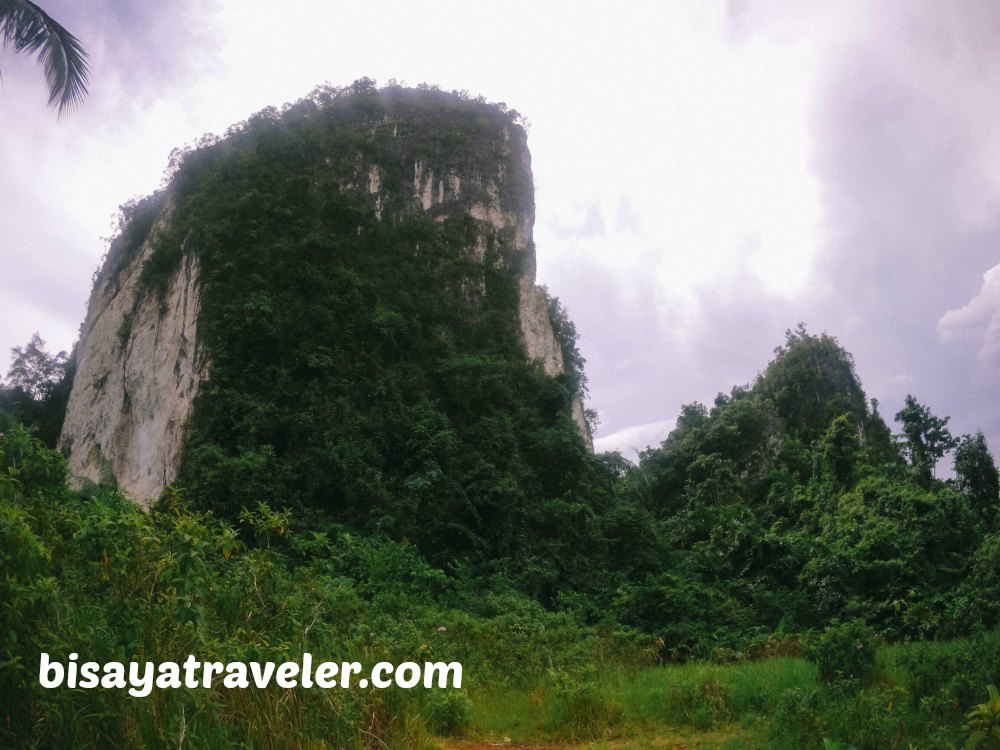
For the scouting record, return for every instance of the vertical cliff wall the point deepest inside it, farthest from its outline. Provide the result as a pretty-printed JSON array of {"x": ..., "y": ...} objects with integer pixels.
[
  {"x": 139, "y": 368},
  {"x": 142, "y": 358}
]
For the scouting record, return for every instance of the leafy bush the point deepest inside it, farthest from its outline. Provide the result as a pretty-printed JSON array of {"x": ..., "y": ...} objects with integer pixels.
[
  {"x": 984, "y": 723},
  {"x": 798, "y": 721},
  {"x": 446, "y": 712},
  {"x": 844, "y": 652},
  {"x": 580, "y": 708}
]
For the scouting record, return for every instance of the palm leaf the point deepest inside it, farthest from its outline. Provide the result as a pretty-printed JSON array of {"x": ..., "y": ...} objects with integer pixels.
[{"x": 27, "y": 28}]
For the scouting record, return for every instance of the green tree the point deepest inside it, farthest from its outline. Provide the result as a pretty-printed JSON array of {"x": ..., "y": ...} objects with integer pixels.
[
  {"x": 25, "y": 27},
  {"x": 925, "y": 437},
  {"x": 879, "y": 444},
  {"x": 811, "y": 381},
  {"x": 976, "y": 473},
  {"x": 34, "y": 370},
  {"x": 841, "y": 448}
]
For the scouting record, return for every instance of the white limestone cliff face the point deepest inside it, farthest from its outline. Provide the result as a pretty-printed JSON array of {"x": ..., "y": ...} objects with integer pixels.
[
  {"x": 540, "y": 341},
  {"x": 138, "y": 370}
]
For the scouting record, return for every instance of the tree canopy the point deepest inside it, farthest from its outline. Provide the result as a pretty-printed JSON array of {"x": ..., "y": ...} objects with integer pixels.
[
  {"x": 925, "y": 437},
  {"x": 34, "y": 370}
]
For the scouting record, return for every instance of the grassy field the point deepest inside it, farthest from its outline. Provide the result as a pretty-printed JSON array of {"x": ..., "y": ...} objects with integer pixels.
[
  {"x": 702, "y": 697},
  {"x": 913, "y": 701}
]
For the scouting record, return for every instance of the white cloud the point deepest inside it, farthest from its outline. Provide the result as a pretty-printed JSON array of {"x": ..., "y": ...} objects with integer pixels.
[
  {"x": 708, "y": 142},
  {"x": 631, "y": 440},
  {"x": 978, "y": 320}
]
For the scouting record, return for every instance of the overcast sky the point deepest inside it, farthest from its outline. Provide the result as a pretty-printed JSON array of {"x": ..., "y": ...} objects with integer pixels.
[{"x": 707, "y": 175}]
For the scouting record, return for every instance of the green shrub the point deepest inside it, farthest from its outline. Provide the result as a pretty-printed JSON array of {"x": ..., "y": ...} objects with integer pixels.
[
  {"x": 984, "y": 723},
  {"x": 844, "y": 652},
  {"x": 797, "y": 719},
  {"x": 447, "y": 711},
  {"x": 870, "y": 718},
  {"x": 581, "y": 709}
]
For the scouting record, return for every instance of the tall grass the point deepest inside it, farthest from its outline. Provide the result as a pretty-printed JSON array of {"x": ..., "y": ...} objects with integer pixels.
[
  {"x": 779, "y": 703},
  {"x": 631, "y": 701}
]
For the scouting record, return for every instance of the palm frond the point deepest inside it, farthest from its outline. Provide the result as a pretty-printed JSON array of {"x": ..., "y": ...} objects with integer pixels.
[{"x": 27, "y": 28}]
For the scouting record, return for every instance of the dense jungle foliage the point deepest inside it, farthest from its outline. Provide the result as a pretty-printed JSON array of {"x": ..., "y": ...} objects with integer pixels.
[
  {"x": 374, "y": 459},
  {"x": 90, "y": 573}
]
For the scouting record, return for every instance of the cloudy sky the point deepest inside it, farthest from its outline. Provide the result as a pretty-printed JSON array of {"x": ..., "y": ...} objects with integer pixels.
[{"x": 707, "y": 174}]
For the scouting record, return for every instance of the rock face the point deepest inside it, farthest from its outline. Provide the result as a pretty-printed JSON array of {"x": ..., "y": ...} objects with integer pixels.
[
  {"x": 139, "y": 362},
  {"x": 533, "y": 312},
  {"x": 138, "y": 370}
]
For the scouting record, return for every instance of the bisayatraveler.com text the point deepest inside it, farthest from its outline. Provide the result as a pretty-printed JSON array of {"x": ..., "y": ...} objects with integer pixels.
[{"x": 139, "y": 678}]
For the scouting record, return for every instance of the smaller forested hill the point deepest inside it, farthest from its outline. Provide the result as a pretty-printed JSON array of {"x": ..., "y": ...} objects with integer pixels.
[{"x": 789, "y": 504}]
